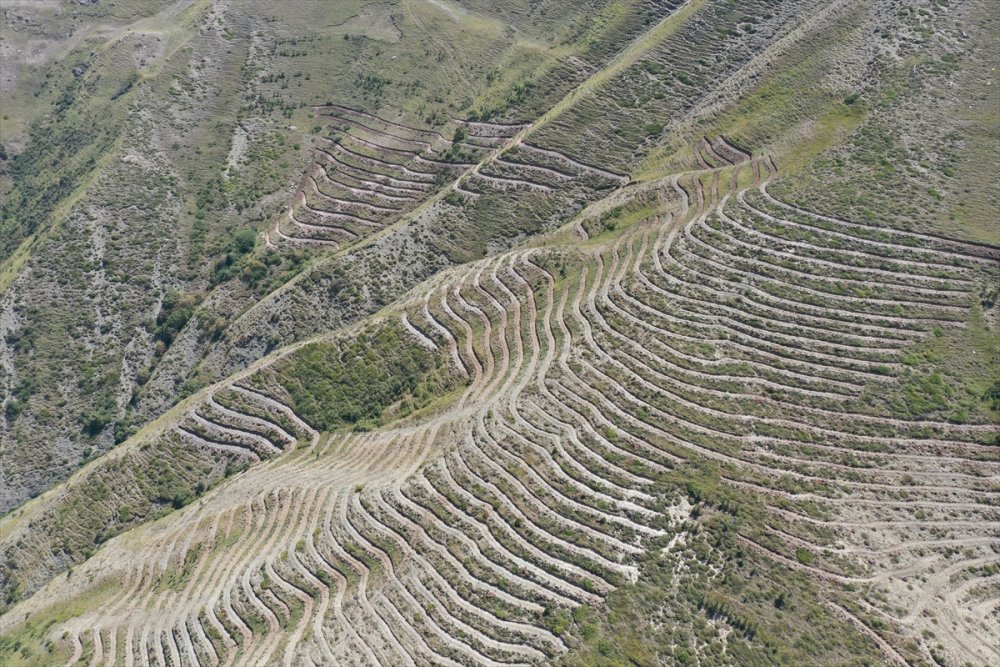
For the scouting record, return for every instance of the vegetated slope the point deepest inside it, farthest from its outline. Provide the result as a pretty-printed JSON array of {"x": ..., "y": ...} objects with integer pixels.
[
  {"x": 141, "y": 156},
  {"x": 702, "y": 421},
  {"x": 88, "y": 295},
  {"x": 114, "y": 362},
  {"x": 367, "y": 136},
  {"x": 627, "y": 412}
]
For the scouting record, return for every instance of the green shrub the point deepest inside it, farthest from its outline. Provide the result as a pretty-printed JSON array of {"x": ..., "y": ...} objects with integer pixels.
[
  {"x": 352, "y": 382},
  {"x": 245, "y": 240}
]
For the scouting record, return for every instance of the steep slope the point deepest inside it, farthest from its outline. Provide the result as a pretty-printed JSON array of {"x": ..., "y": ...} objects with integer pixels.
[
  {"x": 75, "y": 234},
  {"x": 740, "y": 408},
  {"x": 599, "y": 377},
  {"x": 140, "y": 162}
]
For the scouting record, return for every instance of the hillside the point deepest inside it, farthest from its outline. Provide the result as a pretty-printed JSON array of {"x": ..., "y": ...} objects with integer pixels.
[{"x": 458, "y": 333}]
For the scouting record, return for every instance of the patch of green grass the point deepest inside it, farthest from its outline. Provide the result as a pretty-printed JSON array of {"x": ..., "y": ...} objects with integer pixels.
[
  {"x": 32, "y": 644},
  {"x": 363, "y": 380},
  {"x": 949, "y": 375}
]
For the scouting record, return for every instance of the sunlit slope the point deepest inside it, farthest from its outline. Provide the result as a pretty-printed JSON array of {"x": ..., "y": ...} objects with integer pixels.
[
  {"x": 600, "y": 375},
  {"x": 142, "y": 155},
  {"x": 734, "y": 407}
]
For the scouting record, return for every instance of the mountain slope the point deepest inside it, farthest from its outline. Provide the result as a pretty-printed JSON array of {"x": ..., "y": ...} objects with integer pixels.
[{"x": 721, "y": 390}]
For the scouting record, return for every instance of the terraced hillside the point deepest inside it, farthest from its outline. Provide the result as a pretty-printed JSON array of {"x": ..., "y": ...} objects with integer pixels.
[
  {"x": 181, "y": 128},
  {"x": 596, "y": 374},
  {"x": 659, "y": 367}
]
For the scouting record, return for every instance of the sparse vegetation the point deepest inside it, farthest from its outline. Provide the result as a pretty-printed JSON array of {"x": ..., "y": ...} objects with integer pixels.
[{"x": 450, "y": 333}]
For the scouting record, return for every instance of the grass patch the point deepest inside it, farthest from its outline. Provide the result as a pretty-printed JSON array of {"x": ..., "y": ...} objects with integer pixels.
[
  {"x": 365, "y": 380},
  {"x": 32, "y": 644}
]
